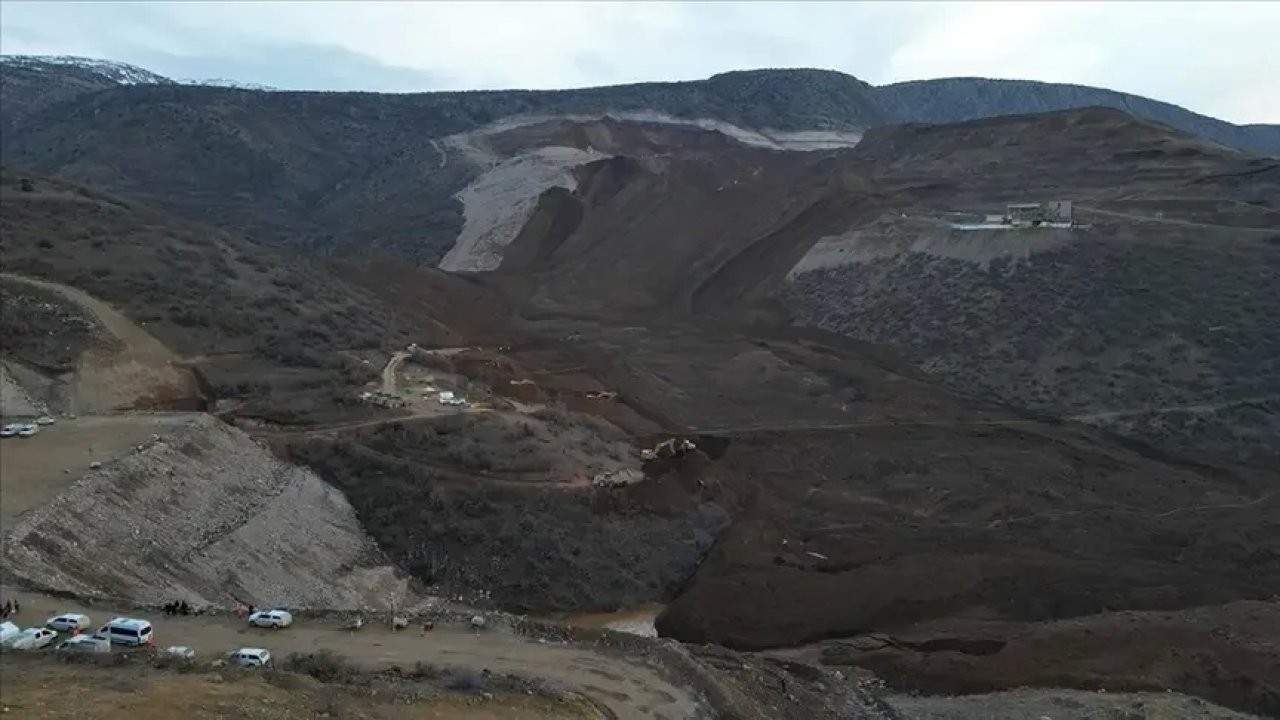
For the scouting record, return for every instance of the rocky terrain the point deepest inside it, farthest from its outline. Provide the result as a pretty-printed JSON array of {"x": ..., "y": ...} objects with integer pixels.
[
  {"x": 964, "y": 656},
  {"x": 203, "y": 514},
  {"x": 39, "y": 328}
]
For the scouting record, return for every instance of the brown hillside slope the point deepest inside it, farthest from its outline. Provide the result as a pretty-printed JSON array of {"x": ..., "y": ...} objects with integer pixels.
[{"x": 262, "y": 327}]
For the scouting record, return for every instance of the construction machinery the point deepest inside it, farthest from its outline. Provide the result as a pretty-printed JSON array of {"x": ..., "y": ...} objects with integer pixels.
[{"x": 673, "y": 447}]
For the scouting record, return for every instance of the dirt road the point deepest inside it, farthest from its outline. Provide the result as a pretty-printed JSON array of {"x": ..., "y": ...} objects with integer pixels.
[
  {"x": 34, "y": 470},
  {"x": 431, "y": 412},
  {"x": 629, "y": 689},
  {"x": 142, "y": 371},
  {"x": 1170, "y": 221},
  {"x": 389, "y": 372}
]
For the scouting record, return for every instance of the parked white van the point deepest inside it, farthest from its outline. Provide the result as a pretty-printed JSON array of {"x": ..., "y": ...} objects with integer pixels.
[
  {"x": 271, "y": 619},
  {"x": 127, "y": 631}
]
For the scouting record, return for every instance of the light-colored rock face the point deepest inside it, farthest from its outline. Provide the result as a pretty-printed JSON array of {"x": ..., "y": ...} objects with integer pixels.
[
  {"x": 206, "y": 515},
  {"x": 498, "y": 203}
]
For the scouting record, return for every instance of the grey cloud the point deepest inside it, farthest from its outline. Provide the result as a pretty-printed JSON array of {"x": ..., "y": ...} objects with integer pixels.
[
  {"x": 293, "y": 67},
  {"x": 1207, "y": 57}
]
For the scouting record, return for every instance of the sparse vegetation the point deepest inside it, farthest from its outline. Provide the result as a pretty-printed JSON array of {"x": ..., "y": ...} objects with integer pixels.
[
  {"x": 287, "y": 318},
  {"x": 1175, "y": 320},
  {"x": 323, "y": 665},
  {"x": 41, "y": 328}
]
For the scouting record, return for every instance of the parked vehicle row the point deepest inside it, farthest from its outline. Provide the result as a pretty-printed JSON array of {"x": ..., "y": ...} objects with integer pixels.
[
  {"x": 25, "y": 429},
  {"x": 19, "y": 429},
  {"x": 129, "y": 632}
]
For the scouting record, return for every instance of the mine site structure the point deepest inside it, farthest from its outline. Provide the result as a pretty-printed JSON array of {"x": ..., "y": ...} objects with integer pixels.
[
  {"x": 1058, "y": 214},
  {"x": 1055, "y": 213}
]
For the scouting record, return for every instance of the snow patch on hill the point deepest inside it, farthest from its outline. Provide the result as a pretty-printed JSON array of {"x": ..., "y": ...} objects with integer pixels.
[
  {"x": 116, "y": 72},
  {"x": 227, "y": 83}
]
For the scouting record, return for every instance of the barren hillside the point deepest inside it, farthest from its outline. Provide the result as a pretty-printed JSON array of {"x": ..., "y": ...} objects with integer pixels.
[{"x": 199, "y": 512}]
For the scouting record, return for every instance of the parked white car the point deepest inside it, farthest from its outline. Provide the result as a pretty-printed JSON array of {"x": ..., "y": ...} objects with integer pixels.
[
  {"x": 8, "y": 430},
  {"x": 250, "y": 657},
  {"x": 68, "y": 622},
  {"x": 46, "y": 420},
  {"x": 27, "y": 430},
  {"x": 85, "y": 644},
  {"x": 33, "y": 639},
  {"x": 271, "y": 619}
]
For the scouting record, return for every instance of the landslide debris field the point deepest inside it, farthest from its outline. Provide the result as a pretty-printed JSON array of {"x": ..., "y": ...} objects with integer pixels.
[{"x": 898, "y": 466}]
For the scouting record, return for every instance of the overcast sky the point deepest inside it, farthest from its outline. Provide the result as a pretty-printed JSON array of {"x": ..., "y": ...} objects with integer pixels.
[{"x": 1220, "y": 59}]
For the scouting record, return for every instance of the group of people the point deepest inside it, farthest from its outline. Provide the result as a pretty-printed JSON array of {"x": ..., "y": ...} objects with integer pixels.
[
  {"x": 9, "y": 608},
  {"x": 177, "y": 607}
]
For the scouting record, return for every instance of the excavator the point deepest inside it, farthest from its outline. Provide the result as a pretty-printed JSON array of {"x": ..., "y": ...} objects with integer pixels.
[{"x": 668, "y": 449}]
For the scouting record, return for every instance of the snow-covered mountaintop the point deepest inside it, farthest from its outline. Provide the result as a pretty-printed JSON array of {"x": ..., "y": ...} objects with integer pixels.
[{"x": 116, "y": 72}]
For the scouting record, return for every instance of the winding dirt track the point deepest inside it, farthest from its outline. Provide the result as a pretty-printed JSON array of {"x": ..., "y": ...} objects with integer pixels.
[
  {"x": 389, "y": 372},
  {"x": 627, "y": 688}
]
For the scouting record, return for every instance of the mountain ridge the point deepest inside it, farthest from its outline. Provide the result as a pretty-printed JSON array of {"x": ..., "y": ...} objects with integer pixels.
[{"x": 832, "y": 99}]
